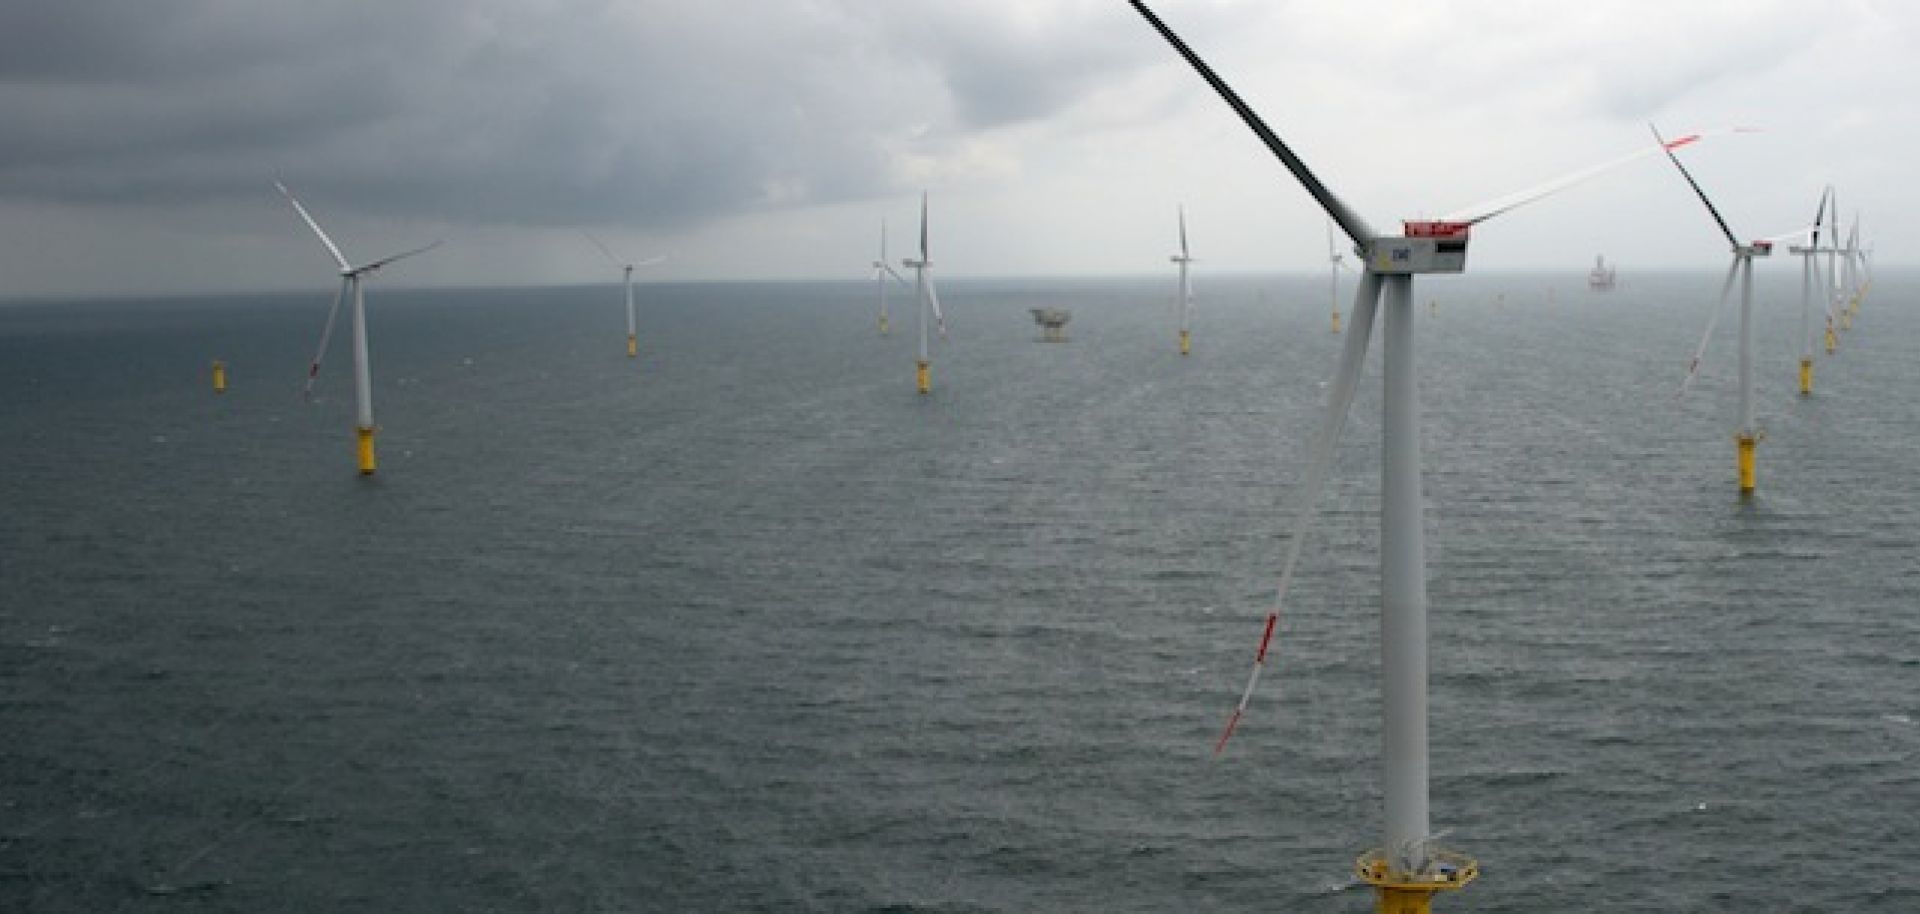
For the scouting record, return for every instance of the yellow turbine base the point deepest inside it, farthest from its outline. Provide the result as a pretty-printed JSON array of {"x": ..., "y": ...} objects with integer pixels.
[
  {"x": 923, "y": 376},
  {"x": 883, "y": 325},
  {"x": 1806, "y": 377},
  {"x": 1831, "y": 341},
  {"x": 1746, "y": 443},
  {"x": 1407, "y": 893},
  {"x": 366, "y": 451},
  {"x": 633, "y": 346},
  {"x": 1186, "y": 342},
  {"x": 219, "y": 377},
  {"x": 1846, "y": 320},
  {"x": 1336, "y": 322}
]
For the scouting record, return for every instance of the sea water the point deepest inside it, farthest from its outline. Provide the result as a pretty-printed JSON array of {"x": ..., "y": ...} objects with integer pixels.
[{"x": 746, "y": 624}]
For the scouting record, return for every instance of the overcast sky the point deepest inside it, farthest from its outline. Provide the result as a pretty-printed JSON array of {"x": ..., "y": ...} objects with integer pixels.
[{"x": 768, "y": 138}]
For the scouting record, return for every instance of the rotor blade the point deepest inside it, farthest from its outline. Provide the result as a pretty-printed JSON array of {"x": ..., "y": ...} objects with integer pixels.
[
  {"x": 923, "y": 225},
  {"x": 1353, "y": 225},
  {"x": 400, "y": 256},
  {"x": 1183, "y": 231},
  {"x": 326, "y": 334},
  {"x": 1784, "y": 236},
  {"x": 1833, "y": 206},
  {"x": 1668, "y": 149},
  {"x": 603, "y": 249},
  {"x": 1478, "y": 213},
  {"x": 933, "y": 298},
  {"x": 332, "y": 248},
  {"x": 902, "y": 280},
  {"x": 1700, "y": 351},
  {"x": 1820, "y": 213},
  {"x": 1819, "y": 283},
  {"x": 1346, "y": 378},
  {"x": 657, "y": 258}
]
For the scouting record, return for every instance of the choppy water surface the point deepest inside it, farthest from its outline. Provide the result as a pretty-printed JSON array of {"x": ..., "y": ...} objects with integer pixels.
[{"x": 746, "y": 624}]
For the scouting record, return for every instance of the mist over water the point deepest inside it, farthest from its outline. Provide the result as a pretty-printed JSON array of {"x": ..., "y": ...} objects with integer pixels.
[{"x": 746, "y": 624}]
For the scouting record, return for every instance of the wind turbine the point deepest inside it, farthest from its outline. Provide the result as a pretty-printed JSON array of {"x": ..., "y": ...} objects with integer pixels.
[
  {"x": 1336, "y": 262},
  {"x": 1809, "y": 278},
  {"x": 626, "y": 269},
  {"x": 1748, "y": 437},
  {"x": 1186, "y": 287},
  {"x": 350, "y": 286},
  {"x": 929, "y": 301},
  {"x": 881, "y": 271},
  {"x": 1855, "y": 289},
  {"x": 1409, "y": 867},
  {"x": 1834, "y": 319}
]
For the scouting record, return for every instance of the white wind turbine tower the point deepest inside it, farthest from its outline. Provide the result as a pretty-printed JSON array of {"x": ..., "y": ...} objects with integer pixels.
[
  {"x": 1809, "y": 280},
  {"x": 626, "y": 269},
  {"x": 882, "y": 271},
  {"x": 1336, "y": 262},
  {"x": 1741, "y": 267},
  {"x": 1409, "y": 868},
  {"x": 350, "y": 287},
  {"x": 1186, "y": 287},
  {"x": 929, "y": 302}
]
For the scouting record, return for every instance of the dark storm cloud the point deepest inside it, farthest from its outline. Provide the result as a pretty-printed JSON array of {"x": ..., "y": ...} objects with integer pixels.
[{"x": 526, "y": 112}]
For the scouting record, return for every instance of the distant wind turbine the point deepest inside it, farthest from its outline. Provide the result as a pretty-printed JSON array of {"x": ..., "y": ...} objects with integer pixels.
[
  {"x": 350, "y": 287},
  {"x": 882, "y": 271},
  {"x": 626, "y": 269},
  {"x": 1833, "y": 294},
  {"x": 1740, "y": 267},
  {"x": 1336, "y": 262},
  {"x": 1185, "y": 304},
  {"x": 929, "y": 302},
  {"x": 1856, "y": 287},
  {"x": 1809, "y": 279}
]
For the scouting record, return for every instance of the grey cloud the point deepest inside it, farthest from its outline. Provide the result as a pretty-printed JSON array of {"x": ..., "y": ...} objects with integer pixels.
[{"x": 651, "y": 114}]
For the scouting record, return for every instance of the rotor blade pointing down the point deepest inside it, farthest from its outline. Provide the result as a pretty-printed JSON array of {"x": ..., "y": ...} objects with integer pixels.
[
  {"x": 326, "y": 334},
  {"x": 933, "y": 298},
  {"x": 1700, "y": 351},
  {"x": 1346, "y": 378}
]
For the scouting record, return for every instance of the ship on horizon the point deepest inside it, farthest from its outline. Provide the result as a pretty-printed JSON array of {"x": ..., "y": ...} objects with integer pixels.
[{"x": 1601, "y": 277}]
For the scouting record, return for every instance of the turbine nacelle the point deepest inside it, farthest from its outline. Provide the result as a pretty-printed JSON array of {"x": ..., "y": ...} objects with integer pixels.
[
  {"x": 1761, "y": 248},
  {"x": 1427, "y": 247}
]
